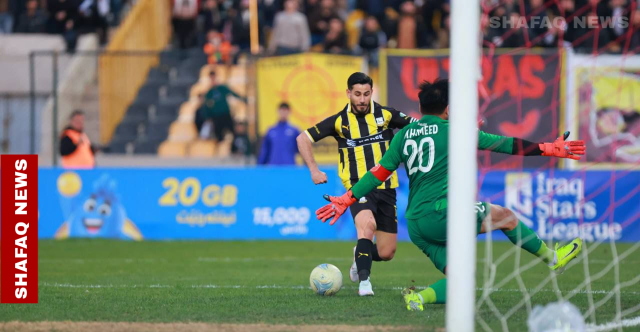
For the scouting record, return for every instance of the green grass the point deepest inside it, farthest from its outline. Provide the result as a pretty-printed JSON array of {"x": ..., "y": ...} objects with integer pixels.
[{"x": 100, "y": 280}]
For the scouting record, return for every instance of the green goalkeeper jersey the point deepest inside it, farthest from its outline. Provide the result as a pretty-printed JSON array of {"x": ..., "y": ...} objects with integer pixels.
[{"x": 423, "y": 147}]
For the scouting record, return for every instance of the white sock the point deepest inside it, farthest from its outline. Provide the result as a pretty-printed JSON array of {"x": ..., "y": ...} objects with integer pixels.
[{"x": 555, "y": 259}]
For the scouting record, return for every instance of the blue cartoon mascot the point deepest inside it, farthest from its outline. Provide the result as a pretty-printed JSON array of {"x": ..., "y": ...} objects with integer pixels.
[{"x": 97, "y": 214}]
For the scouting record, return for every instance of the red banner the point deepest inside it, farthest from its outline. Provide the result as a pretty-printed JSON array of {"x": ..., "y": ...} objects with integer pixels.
[
  {"x": 518, "y": 96},
  {"x": 19, "y": 229}
]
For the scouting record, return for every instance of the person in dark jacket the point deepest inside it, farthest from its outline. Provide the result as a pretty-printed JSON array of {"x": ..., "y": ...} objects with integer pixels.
[
  {"x": 279, "y": 146},
  {"x": 33, "y": 20},
  {"x": 215, "y": 110}
]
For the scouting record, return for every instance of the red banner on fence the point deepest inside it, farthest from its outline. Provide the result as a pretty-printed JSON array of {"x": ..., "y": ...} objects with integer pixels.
[
  {"x": 19, "y": 229},
  {"x": 518, "y": 95}
]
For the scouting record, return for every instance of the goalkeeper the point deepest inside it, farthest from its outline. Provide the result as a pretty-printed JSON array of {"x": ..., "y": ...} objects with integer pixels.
[{"x": 423, "y": 147}]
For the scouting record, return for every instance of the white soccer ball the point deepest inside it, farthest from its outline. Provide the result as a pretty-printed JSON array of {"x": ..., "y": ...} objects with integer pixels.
[{"x": 326, "y": 279}]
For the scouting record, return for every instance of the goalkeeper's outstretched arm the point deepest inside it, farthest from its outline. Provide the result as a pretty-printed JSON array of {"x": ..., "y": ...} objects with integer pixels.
[
  {"x": 371, "y": 180},
  {"x": 560, "y": 148}
]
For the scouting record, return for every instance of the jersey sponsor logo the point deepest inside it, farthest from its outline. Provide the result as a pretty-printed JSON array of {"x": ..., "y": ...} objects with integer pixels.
[
  {"x": 379, "y": 121},
  {"x": 345, "y": 127},
  {"x": 386, "y": 135}
]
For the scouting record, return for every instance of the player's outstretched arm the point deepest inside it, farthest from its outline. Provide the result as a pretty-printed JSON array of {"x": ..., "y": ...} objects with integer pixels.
[{"x": 560, "y": 148}]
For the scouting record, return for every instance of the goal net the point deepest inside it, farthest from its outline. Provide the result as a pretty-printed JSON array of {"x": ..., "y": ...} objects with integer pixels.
[
  {"x": 570, "y": 65},
  {"x": 550, "y": 66}
]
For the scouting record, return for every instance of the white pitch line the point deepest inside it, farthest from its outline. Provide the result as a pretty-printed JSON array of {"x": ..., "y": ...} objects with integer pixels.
[
  {"x": 213, "y": 286},
  {"x": 630, "y": 322}
]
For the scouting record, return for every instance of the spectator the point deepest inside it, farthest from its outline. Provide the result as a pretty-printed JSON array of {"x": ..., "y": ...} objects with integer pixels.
[
  {"x": 567, "y": 9},
  {"x": 185, "y": 13},
  {"x": 75, "y": 146},
  {"x": 342, "y": 9},
  {"x": 553, "y": 32},
  {"x": 269, "y": 9},
  {"x": 508, "y": 32},
  {"x": 319, "y": 20},
  {"x": 215, "y": 110},
  {"x": 290, "y": 31},
  {"x": 373, "y": 8},
  {"x": 444, "y": 26},
  {"x": 217, "y": 49},
  {"x": 371, "y": 40},
  {"x": 432, "y": 14},
  {"x": 212, "y": 15},
  {"x": 536, "y": 29},
  {"x": 63, "y": 15},
  {"x": 279, "y": 145},
  {"x": 634, "y": 43},
  {"x": 310, "y": 6},
  {"x": 411, "y": 28},
  {"x": 336, "y": 39},
  {"x": 241, "y": 145},
  {"x": 94, "y": 15},
  {"x": 586, "y": 39},
  {"x": 63, "y": 20},
  {"x": 33, "y": 20},
  {"x": 116, "y": 9},
  {"x": 619, "y": 15},
  {"x": 6, "y": 19},
  {"x": 241, "y": 29}
]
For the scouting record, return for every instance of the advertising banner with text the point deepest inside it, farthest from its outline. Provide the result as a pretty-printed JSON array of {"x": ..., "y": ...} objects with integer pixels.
[{"x": 518, "y": 95}]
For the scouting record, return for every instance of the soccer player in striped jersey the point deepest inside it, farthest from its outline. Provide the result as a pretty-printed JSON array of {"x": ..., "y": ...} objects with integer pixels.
[
  {"x": 363, "y": 130},
  {"x": 423, "y": 147}
]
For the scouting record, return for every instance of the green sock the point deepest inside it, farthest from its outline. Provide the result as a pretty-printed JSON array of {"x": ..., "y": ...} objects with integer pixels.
[
  {"x": 528, "y": 240},
  {"x": 436, "y": 293}
]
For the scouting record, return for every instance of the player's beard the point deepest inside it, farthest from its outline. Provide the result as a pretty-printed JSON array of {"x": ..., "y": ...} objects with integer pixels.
[{"x": 356, "y": 109}]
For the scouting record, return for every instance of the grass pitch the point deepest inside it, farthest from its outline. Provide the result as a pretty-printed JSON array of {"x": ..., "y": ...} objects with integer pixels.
[{"x": 268, "y": 283}]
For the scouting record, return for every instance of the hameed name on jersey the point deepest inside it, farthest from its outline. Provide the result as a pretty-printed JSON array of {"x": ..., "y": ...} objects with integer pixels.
[{"x": 426, "y": 129}]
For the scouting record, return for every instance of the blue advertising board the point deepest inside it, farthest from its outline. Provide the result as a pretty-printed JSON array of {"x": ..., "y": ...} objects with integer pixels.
[
  {"x": 279, "y": 203},
  {"x": 562, "y": 205},
  {"x": 260, "y": 203}
]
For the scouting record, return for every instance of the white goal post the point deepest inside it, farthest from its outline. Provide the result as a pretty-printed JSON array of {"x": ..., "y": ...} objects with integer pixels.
[{"x": 463, "y": 142}]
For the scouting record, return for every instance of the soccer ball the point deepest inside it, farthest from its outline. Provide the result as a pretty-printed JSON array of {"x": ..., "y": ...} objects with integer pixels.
[{"x": 326, "y": 279}]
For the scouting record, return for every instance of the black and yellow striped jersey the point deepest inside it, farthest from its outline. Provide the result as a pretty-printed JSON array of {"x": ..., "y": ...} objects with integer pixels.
[{"x": 362, "y": 139}]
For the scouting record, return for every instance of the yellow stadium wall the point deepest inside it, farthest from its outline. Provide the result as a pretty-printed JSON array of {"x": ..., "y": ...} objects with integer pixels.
[{"x": 146, "y": 28}]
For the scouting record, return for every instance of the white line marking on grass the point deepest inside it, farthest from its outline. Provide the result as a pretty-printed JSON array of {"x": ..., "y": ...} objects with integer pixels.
[
  {"x": 497, "y": 290},
  {"x": 260, "y": 259},
  {"x": 614, "y": 325}
]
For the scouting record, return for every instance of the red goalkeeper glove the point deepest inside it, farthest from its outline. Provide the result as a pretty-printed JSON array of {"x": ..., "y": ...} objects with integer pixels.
[
  {"x": 563, "y": 149},
  {"x": 336, "y": 208}
]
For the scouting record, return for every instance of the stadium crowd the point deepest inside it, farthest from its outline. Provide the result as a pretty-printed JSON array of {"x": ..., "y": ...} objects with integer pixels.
[
  {"x": 361, "y": 27},
  {"x": 69, "y": 18},
  {"x": 358, "y": 27}
]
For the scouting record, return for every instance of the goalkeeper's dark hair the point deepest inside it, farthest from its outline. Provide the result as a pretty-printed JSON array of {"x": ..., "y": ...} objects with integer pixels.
[
  {"x": 359, "y": 78},
  {"x": 434, "y": 97}
]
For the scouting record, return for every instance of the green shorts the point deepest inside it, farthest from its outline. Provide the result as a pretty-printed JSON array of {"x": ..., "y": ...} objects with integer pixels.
[{"x": 429, "y": 233}]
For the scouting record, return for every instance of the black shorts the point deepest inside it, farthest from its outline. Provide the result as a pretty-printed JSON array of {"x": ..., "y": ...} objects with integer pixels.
[{"x": 382, "y": 202}]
